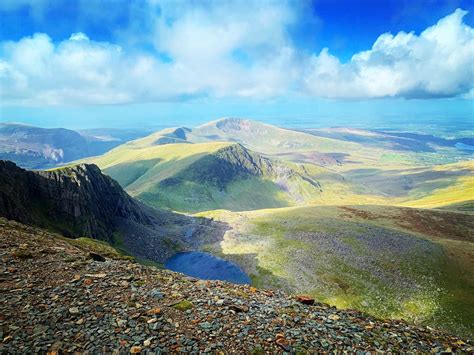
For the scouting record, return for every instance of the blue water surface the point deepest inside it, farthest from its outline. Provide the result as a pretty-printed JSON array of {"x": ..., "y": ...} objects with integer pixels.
[{"x": 206, "y": 266}]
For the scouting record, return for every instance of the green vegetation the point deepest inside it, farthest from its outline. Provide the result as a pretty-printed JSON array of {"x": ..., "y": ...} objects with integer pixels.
[
  {"x": 199, "y": 177},
  {"x": 183, "y": 305},
  {"x": 99, "y": 247},
  {"x": 370, "y": 258}
]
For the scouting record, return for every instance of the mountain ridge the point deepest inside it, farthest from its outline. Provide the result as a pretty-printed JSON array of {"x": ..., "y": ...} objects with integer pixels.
[
  {"x": 206, "y": 175},
  {"x": 79, "y": 196},
  {"x": 39, "y": 148}
]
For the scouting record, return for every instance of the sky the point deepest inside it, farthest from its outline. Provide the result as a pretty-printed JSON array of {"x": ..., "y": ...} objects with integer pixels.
[{"x": 97, "y": 63}]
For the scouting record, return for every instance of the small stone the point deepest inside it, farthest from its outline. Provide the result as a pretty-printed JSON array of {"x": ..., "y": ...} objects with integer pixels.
[
  {"x": 74, "y": 310},
  {"x": 154, "y": 311},
  {"x": 135, "y": 350},
  {"x": 80, "y": 321},
  {"x": 155, "y": 293},
  {"x": 96, "y": 276},
  {"x": 283, "y": 343},
  {"x": 238, "y": 309},
  {"x": 121, "y": 322}
]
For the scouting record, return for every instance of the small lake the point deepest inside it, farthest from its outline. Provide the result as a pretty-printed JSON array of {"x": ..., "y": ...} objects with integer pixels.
[{"x": 206, "y": 266}]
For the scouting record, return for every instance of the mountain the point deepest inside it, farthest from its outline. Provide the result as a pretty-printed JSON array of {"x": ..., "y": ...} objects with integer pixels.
[
  {"x": 202, "y": 176},
  {"x": 347, "y": 166},
  {"x": 79, "y": 198},
  {"x": 80, "y": 201},
  {"x": 119, "y": 135},
  {"x": 56, "y": 300},
  {"x": 39, "y": 148}
]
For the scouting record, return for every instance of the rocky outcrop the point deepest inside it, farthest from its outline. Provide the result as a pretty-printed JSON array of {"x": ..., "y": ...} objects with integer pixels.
[{"x": 76, "y": 201}]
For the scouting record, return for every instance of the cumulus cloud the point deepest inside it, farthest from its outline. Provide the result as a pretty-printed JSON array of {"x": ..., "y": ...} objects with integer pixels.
[
  {"x": 225, "y": 49},
  {"x": 437, "y": 63}
]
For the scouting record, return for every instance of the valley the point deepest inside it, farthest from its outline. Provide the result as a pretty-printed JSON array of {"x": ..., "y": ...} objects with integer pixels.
[
  {"x": 114, "y": 304},
  {"x": 388, "y": 261}
]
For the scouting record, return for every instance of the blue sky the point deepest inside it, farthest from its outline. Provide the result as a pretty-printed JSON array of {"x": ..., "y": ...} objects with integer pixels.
[{"x": 83, "y": 63}]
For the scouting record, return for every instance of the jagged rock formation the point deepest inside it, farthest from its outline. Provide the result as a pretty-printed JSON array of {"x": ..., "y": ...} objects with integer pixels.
[{"x": 77, "y": 200}]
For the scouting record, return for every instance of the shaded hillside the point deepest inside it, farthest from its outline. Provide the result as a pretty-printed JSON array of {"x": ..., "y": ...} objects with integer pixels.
[
  {"x": 39, "y": 148},
  {"x": 198, "y": 177},
  {"x": 80, "y": 201},
  {"x": 78, "y": 305}
]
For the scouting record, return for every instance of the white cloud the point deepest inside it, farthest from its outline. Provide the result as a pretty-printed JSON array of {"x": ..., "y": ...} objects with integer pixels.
[
  {"x": 437, "y": 63},
  {"x": 225, "y": 49}
]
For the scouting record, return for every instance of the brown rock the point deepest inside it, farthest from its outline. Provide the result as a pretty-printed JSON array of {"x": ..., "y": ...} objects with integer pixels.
[
  {"x": 135, "y": 350},
  {"x": 283, "y": 343},
  {"x": 154, "y": 311},
  {"x": 305, "y": 299}
]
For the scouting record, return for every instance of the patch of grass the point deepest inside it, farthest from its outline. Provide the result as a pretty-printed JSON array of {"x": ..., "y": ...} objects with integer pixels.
[
  {"x": 99, "y": 247},
  {"x": 184, "y": 305},
  {"x": 22, "y": 254}
]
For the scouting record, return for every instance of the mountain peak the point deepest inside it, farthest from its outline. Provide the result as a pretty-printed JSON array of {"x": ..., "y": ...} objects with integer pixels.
[{"x": 231, "y": 123}]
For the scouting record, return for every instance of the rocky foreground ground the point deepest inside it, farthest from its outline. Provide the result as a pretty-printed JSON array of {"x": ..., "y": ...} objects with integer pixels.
[{"x": 57, "y": 296}]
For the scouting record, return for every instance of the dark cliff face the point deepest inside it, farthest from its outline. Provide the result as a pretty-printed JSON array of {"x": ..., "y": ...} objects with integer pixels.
[{"x": 75, "y": 201}]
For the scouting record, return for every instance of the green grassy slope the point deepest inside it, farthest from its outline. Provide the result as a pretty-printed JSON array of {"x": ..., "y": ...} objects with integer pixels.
[
  {"x": 352, "y": 166},
  {"x": 204, "y": 176},
  {"x": 391, "y": 262}
]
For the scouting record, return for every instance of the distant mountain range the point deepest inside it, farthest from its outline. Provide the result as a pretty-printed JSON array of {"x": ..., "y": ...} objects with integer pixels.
[
  {"x": 239, "y": 164},
  {"x": 39, "y": 148}
]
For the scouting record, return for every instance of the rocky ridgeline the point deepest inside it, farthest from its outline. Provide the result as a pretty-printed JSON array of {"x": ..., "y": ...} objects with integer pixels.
[
  {"x": 58, "y": 297},
  {"x": 75, "y": 201}
]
